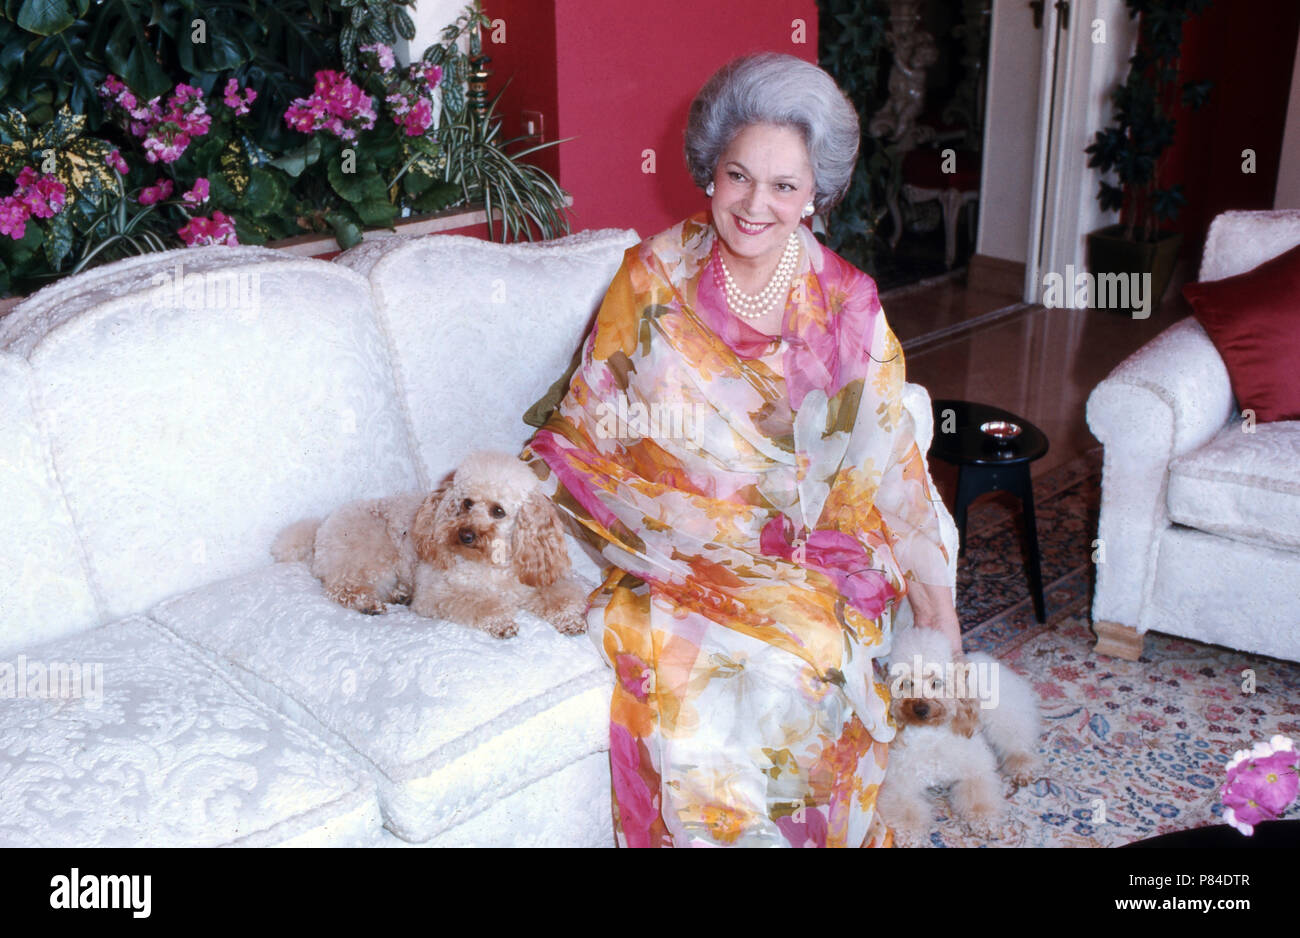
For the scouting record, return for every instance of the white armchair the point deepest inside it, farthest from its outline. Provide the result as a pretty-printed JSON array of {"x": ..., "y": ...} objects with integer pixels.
[{"x": 1200, "y": 510}]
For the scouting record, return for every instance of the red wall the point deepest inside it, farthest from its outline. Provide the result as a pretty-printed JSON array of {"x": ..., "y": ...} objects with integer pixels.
[
  {"x": 1247, "y": 48},
  {"x": 526, "y": 61},
  {"x": 620, "y": 79}
]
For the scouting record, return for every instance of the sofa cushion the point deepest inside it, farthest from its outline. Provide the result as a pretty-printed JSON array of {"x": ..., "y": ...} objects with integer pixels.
[
  {"x": 159, "y": 750},
  {"x": 530, "y": 818},
  {"x": 44, "y": 590},
  {"x": 50, "y": 307},
  {"x": 448, "y": 718},
  {"x": 1253, "y": 319},
  {"x": 188, "y": 432},
  {"x": 483, "y": 328},
  {"x": 1240, "y": 240},
  {"x": 1242, "y": 485}
]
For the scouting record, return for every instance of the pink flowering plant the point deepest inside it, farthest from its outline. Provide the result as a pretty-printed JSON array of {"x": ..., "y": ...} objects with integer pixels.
[
  {"x": 121, "y": 133},
  {"x": 375, "y": 136},
  {"x": 52, "y": 180},
  {"x": 180, "y": 176},
  {"x": 197, "y": 145},
  {"x": 1261, "y": 783}
]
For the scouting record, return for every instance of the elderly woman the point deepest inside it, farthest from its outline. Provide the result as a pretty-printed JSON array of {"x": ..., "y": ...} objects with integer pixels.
[{"x": 733, "y": 444}]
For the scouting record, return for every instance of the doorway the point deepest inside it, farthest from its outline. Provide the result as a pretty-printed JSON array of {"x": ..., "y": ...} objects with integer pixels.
[{"x": 917, "y": 71}]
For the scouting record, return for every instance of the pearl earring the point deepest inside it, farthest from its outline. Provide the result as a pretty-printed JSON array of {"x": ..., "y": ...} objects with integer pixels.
[
  {"x": 708, "y": 190},
  {"x": 809, "y": 209}
]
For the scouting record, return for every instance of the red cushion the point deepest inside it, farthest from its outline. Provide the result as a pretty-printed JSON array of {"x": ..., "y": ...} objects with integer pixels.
[{"x": 1254, "y": 321}]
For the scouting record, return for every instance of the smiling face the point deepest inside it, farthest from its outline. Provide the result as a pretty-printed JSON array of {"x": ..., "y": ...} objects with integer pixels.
[{"x": 763, "y": 180}]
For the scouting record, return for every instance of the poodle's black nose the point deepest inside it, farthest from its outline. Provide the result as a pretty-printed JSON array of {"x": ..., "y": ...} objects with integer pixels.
[
  {"x": 466, "y": 536},
  {"x": 922, "y": 710}
]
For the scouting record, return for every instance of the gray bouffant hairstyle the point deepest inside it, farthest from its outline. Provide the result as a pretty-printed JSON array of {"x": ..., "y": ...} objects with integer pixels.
[{"x": 771, "y": 88}]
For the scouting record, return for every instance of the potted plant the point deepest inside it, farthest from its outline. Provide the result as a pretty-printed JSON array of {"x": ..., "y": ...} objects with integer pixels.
[
  {"x": 287, "y": 121},
  {"x": 1133, "y": 147}
]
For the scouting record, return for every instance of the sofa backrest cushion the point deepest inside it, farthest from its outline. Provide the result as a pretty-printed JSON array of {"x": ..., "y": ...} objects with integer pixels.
[
  {"x": 23, "y": 327},
  {"x": 45, "y": 592},
  {"x": 1240, "y": 241},
  {"x": 480, "y": 330},
  {"x": 191, "y": 416}
]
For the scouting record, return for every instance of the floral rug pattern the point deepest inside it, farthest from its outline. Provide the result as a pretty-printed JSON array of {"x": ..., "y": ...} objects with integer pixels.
[{"x": 1130, "y": 750}]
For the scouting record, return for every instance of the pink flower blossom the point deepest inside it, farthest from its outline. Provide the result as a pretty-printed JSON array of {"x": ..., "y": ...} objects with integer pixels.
[
  {"x": 234, "y": 101},
  {"x": 383, "y": 53},
  {"x": 183, "y": 92},
  {"x": 13, "y": 217},
  {"x": 219, "y": 229},
  {"x": 336, "y": 105},
  {"x": 42, "y": 195},
  {"x": 1260, "y": 783},
  {"x": 168, "y": 149},
  {"x": 115, "y": 160},
  {"x": 112, "y": 86},
  {"x": 197, "y": 195},
  {"x": 418, "y": 118},
  {"x": 156, "y": 193},
  {"x": 165, "y": 129},
  {"x": 431, "y": 75},
  {"x": 48, "y": 197}
]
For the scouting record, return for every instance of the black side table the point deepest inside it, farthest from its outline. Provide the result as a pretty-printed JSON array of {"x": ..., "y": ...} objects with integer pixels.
[{"x": 984, "y": 465}]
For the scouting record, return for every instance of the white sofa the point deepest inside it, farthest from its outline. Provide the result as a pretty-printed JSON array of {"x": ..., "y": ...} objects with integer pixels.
[
  {"x": 156, "y": 439},
  {"x": 1200, "y": 518}
]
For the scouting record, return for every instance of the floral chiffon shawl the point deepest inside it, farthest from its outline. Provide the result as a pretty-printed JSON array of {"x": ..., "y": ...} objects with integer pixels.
[{"x": 762, "y": 505}]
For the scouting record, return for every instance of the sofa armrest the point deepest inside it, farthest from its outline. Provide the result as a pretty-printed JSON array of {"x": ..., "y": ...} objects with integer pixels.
[{"x": 1167, "y": 398}]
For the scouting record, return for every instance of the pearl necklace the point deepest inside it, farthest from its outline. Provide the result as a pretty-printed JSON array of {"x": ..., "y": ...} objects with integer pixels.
[{"x": 757, "y": 306}]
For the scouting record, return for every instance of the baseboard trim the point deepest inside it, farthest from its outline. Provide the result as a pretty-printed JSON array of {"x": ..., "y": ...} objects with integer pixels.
[{"x": 939, "y": 336}]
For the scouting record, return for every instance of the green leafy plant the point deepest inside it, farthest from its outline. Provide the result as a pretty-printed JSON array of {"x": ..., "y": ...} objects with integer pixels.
[
  {"x": 478, "y": 164},
  {"x": 73, "y": 165},
  {"x": 123, "y": 229},
  {"x": 1143, "y": 129},
  {"x": 370, "y": 22},
  {"x": 852, "y": 49},
  {"x": 113, "y": 105},
  {"x": 455, "y": 63}
]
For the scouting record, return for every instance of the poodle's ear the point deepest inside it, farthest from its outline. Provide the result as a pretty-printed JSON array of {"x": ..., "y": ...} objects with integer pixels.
[
  {"x": 537, "y": 544},
  {"x": 966, "y": 719},
  {"x": 424, "y": 527}
]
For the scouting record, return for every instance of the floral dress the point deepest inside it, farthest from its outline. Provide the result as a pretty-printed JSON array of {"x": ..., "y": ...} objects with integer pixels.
[{"x": 761, "y": 505}]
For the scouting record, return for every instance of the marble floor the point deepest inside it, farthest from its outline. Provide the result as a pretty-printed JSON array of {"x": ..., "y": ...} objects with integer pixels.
[{"x": 1036, "y": 362}]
